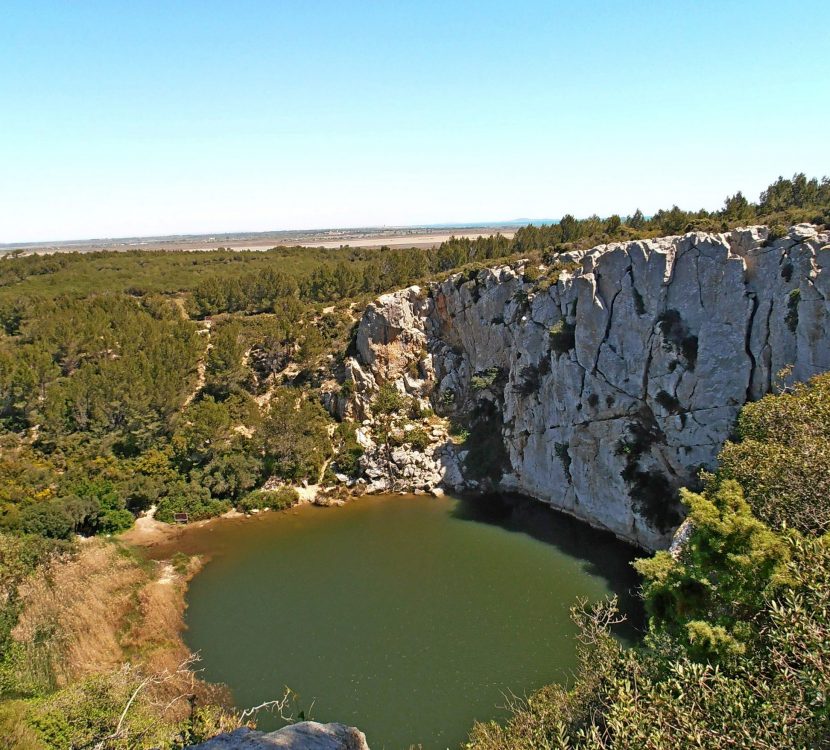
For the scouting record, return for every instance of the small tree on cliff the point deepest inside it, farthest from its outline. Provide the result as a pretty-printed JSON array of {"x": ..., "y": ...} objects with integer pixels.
[{"x": 385, "y": 406}]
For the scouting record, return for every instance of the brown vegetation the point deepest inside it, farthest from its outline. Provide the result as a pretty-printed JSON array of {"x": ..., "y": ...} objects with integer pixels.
[
  {"x": 104, "y": 616},
  {"x": 74, "y": 611}
]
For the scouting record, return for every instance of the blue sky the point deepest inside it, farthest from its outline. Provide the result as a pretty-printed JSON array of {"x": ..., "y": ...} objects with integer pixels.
[{"x": 125, "y": 118}]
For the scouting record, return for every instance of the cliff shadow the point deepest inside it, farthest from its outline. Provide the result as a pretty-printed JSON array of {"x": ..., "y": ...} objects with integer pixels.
[{"x": 601, "y": 553}]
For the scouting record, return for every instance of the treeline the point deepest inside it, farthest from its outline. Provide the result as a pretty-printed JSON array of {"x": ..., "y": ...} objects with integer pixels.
[
  {"x": 376, "y": 270},
  {"x": 212, "y": 458},
  {"x": 784, "y": 202},
  {"x": 104, "y": 413},
  {"x": 106, "y": 365},
  {"x": 379, "y": 270}
]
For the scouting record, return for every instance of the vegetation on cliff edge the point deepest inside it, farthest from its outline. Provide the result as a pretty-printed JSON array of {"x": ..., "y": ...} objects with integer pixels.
[{"x": 737, "y": 651}]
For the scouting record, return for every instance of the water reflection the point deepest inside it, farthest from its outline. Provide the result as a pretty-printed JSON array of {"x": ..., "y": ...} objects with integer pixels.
[{"x": 601, "y": 553}]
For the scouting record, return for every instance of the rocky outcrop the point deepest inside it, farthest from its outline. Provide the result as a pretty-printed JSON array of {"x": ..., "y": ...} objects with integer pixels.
[
  {"x": 609, "y": 379},
  {"x": 306, "y": 735},
  {"x": 405, "y": 468}
]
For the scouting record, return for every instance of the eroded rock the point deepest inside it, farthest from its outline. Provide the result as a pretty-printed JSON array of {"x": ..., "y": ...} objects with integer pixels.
[
  {"x": 305, "y": 735},
  {"x": 611, "y": 385}
]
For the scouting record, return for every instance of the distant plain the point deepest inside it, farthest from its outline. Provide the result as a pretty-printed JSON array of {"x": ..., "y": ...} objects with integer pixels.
[{"x": 421, "y": 237}]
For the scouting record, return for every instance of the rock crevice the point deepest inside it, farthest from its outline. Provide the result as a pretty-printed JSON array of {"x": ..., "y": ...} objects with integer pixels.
[{"x": 613, "y": 378}]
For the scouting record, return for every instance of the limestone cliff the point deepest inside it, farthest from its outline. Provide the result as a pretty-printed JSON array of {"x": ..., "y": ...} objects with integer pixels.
[
  {"x": 306, "y": 735},
  {"x": 603, "y": 383}
]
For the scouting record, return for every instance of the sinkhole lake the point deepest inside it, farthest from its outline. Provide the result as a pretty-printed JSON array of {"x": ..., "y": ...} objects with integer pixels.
[{"x": 408, "y": 617}]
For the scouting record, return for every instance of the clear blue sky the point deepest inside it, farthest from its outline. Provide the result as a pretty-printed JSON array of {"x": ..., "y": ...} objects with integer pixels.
[{"x": 125, "y": 118}]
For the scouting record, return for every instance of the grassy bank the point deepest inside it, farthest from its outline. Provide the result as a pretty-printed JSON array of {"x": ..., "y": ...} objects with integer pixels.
[{"x": 96, "y": 656}]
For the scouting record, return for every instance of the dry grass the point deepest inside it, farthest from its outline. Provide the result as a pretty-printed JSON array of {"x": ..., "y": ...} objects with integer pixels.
[
  {"x": 102, "y": 608},
  {"x": 74, "y": 610},
  {"x": 103, "y": 620}
]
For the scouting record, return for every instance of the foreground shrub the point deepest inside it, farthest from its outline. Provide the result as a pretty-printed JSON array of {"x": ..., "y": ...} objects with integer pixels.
[
  {"x": 659, "y": 698},
  {"x": 782, "y": 457},
  {"x": 708, "y": 596},
  {"x": 418, "y": 438},
  {"x": 120, "y": 710}
]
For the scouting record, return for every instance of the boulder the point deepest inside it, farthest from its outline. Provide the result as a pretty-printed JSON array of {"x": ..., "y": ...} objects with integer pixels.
[{"x": 305, "y": 735}]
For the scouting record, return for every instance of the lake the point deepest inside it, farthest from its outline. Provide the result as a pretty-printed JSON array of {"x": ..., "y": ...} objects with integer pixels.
[{"x": 408, "y": 617}]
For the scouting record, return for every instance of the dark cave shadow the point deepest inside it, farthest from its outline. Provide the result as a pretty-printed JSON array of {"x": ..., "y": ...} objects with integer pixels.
[{"x": 601, "y": 553}]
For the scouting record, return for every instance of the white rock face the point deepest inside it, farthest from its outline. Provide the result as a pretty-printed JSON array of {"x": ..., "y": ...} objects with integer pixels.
[
  {"x": 614, "y": 385},
  {"x": 306, "y": 735}
]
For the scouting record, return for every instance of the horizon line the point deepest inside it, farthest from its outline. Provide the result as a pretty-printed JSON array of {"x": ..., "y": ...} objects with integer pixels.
[{"x": 268, "y": 232}]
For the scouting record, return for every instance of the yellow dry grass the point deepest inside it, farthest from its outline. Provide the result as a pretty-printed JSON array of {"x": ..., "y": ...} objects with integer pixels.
[
  {"x": 74, "y": 610},
  {"x": 99, "y": 609},
  {"x": 103, "y": 611}
]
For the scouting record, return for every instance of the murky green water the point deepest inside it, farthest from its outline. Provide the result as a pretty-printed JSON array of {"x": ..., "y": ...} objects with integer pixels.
[{"x": 409, "y": 617}]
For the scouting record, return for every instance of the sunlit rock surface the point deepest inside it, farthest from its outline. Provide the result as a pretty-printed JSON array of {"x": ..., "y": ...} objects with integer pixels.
[
  {"x": 612, "y": 384},
  {"x": 306, "y": 735}
]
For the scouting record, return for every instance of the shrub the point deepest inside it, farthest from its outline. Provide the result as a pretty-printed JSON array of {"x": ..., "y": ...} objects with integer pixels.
[
  {"x": 483, "y": 380},
  {"x": 418, "y": 438},
  {"x": 531, "y": 274},
  {"x": 388, "y": 400},
  {"x": 49, "y": 519},
  {"x": 556, "y": 270},
  {"x": 562, "y": 336},
  {"x": 349, "y": 450},
  {"x": 729, "y": 566},
  {"x": 278, "y": 499},
  {"x": 192, "y": 499},
  {"x": 781, "y": 456},
  {"x": 115, "y": 521}
]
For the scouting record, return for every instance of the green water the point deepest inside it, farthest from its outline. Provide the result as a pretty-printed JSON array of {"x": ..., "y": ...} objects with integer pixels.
[{"x": 409, "y": 617}]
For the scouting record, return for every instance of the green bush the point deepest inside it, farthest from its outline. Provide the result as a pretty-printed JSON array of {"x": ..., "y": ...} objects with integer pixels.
[
  {"x": 278, "y": 499},
  {"x": 418, "y": 438},
  {"x": 349, "y": 450},
  {"x": 531, "y": 274},
  {"x": 49, "y": 519},
  {"x": 388, "y": 400},
  {"x": 730, "y": 566},
  {"x": 191, "y": 499},
  {"x": 781, "y": 456},
  {"x": 483, "y": 380}
]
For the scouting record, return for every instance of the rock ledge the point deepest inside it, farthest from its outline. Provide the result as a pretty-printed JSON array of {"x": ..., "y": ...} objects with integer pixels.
[{"x": 305, "y": 735}]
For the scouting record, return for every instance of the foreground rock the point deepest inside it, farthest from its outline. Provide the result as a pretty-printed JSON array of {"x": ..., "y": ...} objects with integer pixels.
[
  {"x": 306, "y": 735},
  {"x": 605, "y": 385}
]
